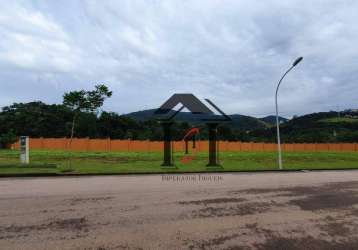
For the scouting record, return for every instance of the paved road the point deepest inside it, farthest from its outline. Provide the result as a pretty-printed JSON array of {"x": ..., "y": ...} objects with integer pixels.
[{"x": 312, "y": 210}]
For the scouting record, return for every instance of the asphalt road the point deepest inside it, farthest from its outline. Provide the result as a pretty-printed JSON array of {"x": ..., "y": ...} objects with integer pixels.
[{"x": 297, "y": 210}]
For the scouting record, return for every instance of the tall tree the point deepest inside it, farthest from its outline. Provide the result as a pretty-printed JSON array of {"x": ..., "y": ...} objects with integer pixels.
[{"x": 85, "y": 101}]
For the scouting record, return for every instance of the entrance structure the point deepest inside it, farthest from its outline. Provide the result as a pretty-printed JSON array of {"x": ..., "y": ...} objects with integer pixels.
[{"x": 165, "y": 115}]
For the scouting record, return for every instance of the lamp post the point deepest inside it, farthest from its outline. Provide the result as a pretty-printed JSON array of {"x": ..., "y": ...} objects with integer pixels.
[{"x": 297, "y": 61}]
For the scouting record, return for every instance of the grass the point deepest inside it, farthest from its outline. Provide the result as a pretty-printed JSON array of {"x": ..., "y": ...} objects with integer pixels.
[
  {"x": 56, "y": 162},
  {"x": 340, "y": 120}
]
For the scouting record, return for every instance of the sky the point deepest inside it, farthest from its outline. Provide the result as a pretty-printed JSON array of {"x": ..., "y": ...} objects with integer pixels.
[{"x": 232, "y": 52}]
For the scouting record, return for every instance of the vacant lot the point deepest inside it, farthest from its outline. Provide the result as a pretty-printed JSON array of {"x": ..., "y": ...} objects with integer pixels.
[
  {"x": 291, "y": 211},
  {"x": 107, "y": 163}
]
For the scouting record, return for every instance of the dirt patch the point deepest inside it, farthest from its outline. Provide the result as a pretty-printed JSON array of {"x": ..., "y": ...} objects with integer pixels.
[
  {"x": 231, "y": 241},
  {"x": 124, "y": 246},
  {"x": 212, "y": 201},
  {"x": 328, "y": 196},
  {"x": 338, "y": 226},
  {"x": 326, "y": 200},
  {"x": 242, "y": 209},
  {"x": 75, "y": 201},
  {"x": 237, "y": 248},
  {"x": 20, "y": 229},
  {"x": 69, "y": 224},
  {"x": 278, "y": 242},
  {"x": 73, "y": 224},
  {"x": 336, "y": 229},
  {"x": 213, "y": 243},
  {"x": 354, "y": 212},
  {"x": 302, "y": 191},
  {"x": 253, "y": 227}
]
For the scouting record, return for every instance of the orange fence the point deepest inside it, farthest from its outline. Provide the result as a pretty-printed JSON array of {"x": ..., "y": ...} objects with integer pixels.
[{"x": 108, "y": 145}]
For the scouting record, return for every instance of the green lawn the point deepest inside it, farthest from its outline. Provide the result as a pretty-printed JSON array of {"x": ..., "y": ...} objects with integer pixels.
[{"x": 56, "y": 162}]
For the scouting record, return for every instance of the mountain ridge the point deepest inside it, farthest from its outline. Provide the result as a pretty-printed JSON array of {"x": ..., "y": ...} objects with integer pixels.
[{"x": 239, "y": 121}]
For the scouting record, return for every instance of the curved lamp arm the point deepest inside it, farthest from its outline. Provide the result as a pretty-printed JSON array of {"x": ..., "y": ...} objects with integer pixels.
[{"x": 297, "y": 61}]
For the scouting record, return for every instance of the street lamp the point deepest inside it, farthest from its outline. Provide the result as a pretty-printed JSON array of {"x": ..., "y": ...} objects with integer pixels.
[{"x": 297, "y": 61}]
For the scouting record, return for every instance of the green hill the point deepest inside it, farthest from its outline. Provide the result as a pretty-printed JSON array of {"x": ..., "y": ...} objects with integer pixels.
[
  {"x": 317, "y": 127},
  {"x": 271, "y": 120}
]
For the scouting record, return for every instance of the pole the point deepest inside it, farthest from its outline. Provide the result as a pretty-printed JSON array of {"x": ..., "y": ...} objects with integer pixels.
[
  {"x": 278, "y": 122},
  {"x": 297, "y": 61}
]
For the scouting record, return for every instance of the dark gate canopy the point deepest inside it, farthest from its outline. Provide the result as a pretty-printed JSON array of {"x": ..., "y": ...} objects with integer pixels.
[
  {"x": 189, "y": 101},
  {"x": 195, "y": 106}
]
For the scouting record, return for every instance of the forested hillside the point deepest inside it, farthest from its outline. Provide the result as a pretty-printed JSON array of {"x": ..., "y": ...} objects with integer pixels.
[
  {"x": 37, "y": 119},
  {"x": 316, "y": 127}
]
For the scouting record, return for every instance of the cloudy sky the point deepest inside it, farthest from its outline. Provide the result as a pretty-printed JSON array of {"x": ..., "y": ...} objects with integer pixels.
[{"x": 232, "y": 52}]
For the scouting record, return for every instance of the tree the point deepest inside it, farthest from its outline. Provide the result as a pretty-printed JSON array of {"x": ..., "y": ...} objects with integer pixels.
[
  {"x": 35, "y": 119},
  {"x": 85, "y": 101},
  {"x": 7, "y": 138}
]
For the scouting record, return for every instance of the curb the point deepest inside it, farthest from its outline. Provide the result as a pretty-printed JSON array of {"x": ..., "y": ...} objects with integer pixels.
[{"x": 24, "y": 175}]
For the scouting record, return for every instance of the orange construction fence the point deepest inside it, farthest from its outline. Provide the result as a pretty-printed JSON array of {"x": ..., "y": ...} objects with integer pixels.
[{"x": 109, "y": 145}]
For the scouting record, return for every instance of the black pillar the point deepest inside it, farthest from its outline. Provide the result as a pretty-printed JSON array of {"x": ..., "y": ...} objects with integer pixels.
[
  {"x": 213, "y": 156},
  {"x": 168, "y": 159}
]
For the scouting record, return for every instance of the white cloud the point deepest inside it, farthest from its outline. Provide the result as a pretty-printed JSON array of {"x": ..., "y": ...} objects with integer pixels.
[
  {"x": 230, "y": 51},
  {"x": 32, "y": 41}
]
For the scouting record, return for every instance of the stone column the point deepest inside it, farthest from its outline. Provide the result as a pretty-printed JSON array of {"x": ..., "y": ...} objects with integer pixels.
[
  {"x": 168, "y": 154},
  {"x": 213, "y": 156}
]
